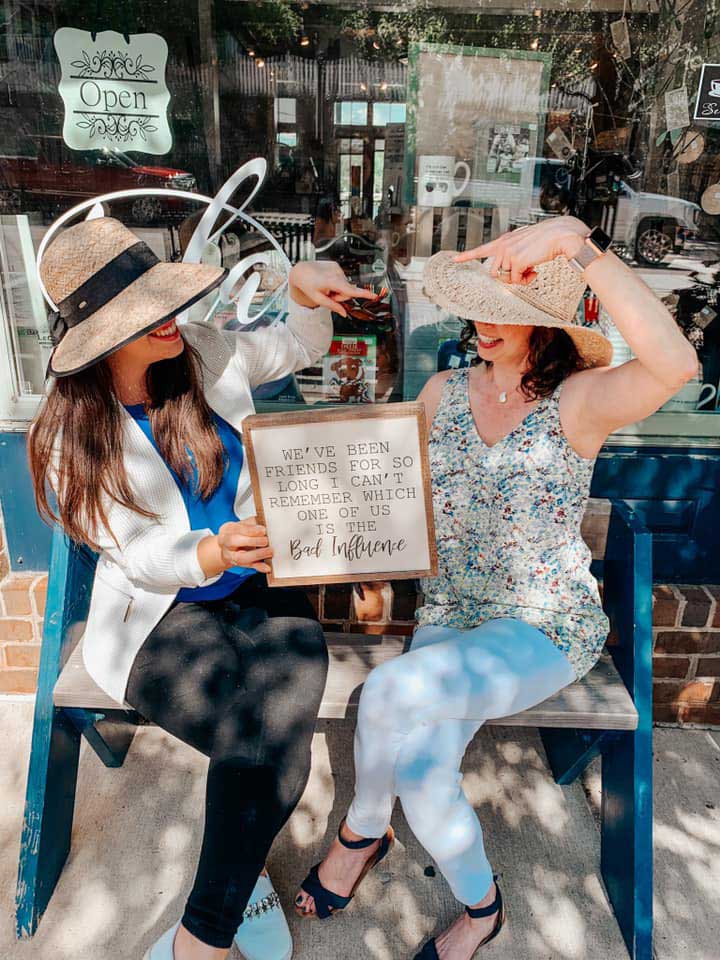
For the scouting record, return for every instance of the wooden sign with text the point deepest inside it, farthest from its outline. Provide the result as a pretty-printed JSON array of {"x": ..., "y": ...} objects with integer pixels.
[{"x": 344, "y": 494}]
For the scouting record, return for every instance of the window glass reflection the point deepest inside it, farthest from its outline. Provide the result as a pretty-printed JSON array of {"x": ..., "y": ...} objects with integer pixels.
[{"x": 389, "y": 132}]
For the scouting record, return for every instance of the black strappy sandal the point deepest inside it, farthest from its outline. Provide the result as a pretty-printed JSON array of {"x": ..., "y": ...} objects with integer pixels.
[
  {"x": 429, "y": 951},
  {"x": 324, "y": 898}
]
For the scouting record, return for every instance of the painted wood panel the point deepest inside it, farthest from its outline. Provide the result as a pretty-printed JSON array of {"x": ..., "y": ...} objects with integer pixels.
[{"x": 675, "y": 491}]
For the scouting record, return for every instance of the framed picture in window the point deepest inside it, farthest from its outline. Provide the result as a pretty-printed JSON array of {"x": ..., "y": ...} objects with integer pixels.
[{"x": 487, "y": 108}]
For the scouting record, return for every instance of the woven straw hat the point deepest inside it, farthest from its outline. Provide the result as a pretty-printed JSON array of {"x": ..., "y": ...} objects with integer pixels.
[
  {"x": 550, "y": 300},
  {"x": 111, "y": 289}
]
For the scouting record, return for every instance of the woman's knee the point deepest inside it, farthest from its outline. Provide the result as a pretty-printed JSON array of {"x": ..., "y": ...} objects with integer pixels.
[
  {"x": 395, "y": 694},
  {"x": 307, "y": 647},
  {"x": 304, "y": 663},
  {"x": 298, "y": 641}
]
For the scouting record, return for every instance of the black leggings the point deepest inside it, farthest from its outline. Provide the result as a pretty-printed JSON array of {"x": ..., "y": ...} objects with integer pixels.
[{"x": 241, "y": 680}]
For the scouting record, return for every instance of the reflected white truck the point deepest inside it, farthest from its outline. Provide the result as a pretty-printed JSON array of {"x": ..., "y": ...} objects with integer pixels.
[{"x": 649, "y": 225}]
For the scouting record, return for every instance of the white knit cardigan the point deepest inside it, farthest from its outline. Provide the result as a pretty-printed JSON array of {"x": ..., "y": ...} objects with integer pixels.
[{"x": 138, "y": 577}]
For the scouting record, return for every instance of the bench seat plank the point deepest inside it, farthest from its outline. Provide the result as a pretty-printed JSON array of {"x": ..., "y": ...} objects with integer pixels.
[{"x": 599, "y": 701}]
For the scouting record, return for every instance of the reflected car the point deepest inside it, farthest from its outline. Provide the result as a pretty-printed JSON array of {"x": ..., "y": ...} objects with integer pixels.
[
  {"x": 653, "y": 226},
  {"x": 649, "y": 226},
  {"x": 29, "y": 180}
]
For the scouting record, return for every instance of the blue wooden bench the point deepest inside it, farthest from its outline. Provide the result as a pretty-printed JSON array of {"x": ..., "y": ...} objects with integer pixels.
[{"x": 607, "y": 713}]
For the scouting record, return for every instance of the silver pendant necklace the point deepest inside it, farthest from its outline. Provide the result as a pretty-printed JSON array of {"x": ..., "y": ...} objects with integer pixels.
[{"x": 502, "y": 398}]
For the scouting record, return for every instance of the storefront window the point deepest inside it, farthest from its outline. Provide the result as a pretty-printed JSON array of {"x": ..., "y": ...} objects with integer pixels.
[{"x": 390, "y": 131}]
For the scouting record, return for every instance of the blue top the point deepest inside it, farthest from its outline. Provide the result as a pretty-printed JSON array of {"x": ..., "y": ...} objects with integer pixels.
[{"x": 211, "y": 513}]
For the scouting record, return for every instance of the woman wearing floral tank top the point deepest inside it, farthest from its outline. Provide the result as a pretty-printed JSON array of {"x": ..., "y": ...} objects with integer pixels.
[{"x": 514, "y": 614}]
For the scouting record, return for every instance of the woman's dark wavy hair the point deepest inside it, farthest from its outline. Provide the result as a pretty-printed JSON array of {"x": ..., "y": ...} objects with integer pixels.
[
  {"x": 82, "y": 414},
  {"x": 552, "y": 357}
]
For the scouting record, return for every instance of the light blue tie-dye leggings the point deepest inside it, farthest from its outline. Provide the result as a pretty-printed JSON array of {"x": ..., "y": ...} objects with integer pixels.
[{"x": 416, "y": 717}]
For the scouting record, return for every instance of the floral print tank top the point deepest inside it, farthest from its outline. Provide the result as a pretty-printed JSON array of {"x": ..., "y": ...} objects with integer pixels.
[{"x": 507, "y": 522}]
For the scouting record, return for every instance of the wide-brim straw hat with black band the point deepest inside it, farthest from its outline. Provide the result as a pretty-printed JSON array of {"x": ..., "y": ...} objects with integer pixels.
[
  {"x": 551, "y": 299},
  {"x": 110, "y": 289}
]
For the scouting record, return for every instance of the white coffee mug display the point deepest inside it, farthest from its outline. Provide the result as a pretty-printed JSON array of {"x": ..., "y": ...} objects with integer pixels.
[
  {"x": 436, "y": 180},
  {"x": 691, "y": 396}
]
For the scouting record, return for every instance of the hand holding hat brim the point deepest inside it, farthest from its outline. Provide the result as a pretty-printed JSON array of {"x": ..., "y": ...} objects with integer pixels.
[
  {"x": 551, "y": 299},
  {"x": 516, "y": 254}
]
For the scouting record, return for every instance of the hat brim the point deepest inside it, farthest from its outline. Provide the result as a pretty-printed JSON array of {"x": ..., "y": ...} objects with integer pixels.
[
  {"x": 150, "y": 301},
  {"x": 483, "y": 298}
]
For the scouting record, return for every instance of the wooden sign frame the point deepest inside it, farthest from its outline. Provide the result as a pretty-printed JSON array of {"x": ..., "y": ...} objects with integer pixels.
[{"x": 259, "y": 421}]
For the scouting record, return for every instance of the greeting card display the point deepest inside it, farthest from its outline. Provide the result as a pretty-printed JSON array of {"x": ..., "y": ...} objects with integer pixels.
[
  {"x": 344, "y": 494},
  {"x": 677, "y": 114},
  {"x": 621, "y": 38},
  {"x": 350, "y": 370}
]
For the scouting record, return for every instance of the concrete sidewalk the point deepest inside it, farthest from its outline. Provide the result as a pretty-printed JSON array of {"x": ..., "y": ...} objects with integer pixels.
[{"x": 137, "y": 832}]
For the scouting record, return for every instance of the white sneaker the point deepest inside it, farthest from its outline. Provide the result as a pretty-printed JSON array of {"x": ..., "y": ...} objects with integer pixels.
[
  {"x": 264, "y": 933},
  {"x": 163, "y": 949}
]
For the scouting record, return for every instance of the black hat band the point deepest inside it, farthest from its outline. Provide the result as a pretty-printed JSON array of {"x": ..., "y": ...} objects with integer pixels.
[{"x": 102, "y": 287}]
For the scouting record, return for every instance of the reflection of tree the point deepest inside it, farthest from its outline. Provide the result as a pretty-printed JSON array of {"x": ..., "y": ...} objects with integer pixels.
[
  {"x": 667, "y": 49},
  {"x": 687, "y": 37},
  {"x": 390, "y": 33},
  {"x": 568, "y": 36},
  {"x": 269, "y": 23}
]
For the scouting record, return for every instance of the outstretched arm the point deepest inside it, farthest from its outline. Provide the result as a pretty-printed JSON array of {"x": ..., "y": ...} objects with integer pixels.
[
  {"x": 600, "y": 400},
  {"x": 316, "y": 288}
]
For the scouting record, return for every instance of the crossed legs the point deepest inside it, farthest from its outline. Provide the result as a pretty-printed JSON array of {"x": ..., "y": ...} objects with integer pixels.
[{"x": 416, "y": 717}]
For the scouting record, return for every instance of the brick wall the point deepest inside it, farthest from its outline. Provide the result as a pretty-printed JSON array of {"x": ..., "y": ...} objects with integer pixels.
[
  {"x": 686, "y": 633},
  {"x": 686, "y": 654},
  {"x": 22, "y": 606}
]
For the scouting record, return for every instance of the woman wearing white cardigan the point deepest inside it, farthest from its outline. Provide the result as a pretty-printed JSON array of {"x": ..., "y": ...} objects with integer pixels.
[{"x": 139, "y": 439}]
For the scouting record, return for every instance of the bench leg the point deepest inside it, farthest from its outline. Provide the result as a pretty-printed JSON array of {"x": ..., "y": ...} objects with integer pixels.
[
  {"x": 626, "y": 837},
  {"x": 114, "y": 736},
  {"x": 47, "y": 825},
  {"x": 570, "y": 751},
  {"x": 109, "y": 736}
]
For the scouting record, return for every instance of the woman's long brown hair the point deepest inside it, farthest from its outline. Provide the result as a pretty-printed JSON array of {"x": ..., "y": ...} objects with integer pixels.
[
  {"x": 552, "y": 356},
  {"x": 82, "y": 414}
]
